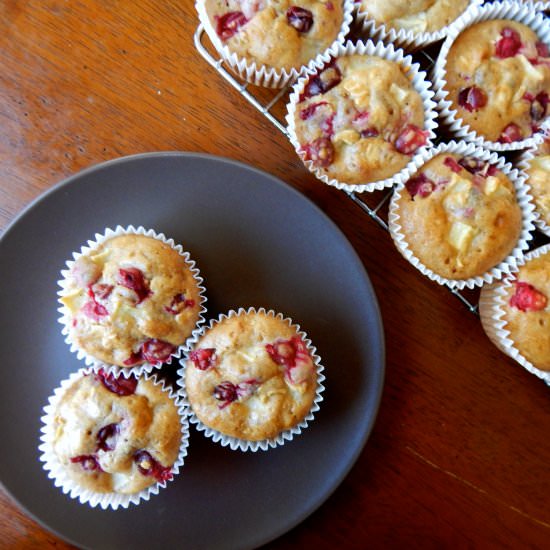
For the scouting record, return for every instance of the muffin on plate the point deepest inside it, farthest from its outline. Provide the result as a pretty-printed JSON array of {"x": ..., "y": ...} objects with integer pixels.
[
  {"x": 496, "y": 74},
  {"x": 113, "y": 440},
  {"x": 459, "y": 217},
  {"x": 130, "y": 299},
  {"x": 270, "y": 41},
  {"x": 357, "y": 122},
  {"x": 252, "y": 380},
  {"x": 515, "y": 312}
]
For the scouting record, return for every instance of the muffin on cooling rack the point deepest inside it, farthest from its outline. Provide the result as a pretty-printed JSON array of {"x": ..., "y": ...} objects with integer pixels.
[
  {"x": 359, "y": 120},
  {"x": 515, "y": 312},
  {"x": 130, "y": 299},
  {"x": 536, "y": 163},
  {"x": 460, "y": 218},
  {"x": 496, "y": 75},
  {"x": 268, "y": 42},
  {"x": 413, "y": 24},
  {"x": 111, "y": 441},
  {"x": 252, "y": 380}
]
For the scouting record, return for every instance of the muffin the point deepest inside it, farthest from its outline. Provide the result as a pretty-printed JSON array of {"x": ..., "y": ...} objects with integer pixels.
[
  {"x": 458, "y": 217},
  {"x": 496, "y": 76},
  {"x": 515, "y": 312},
  {"x": 537, "y": 168},
  {"x": 109, "y": 440},
  {"x": 421, "y": 16},
  {"x": 360, "y": 119},
  {"x": 131, "y": 299},
  {"x": 272, "y": 35},
  {"x": 252, "y": 379}
]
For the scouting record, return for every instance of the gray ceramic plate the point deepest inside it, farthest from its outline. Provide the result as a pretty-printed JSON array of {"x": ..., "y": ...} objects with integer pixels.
[{"x": 257, "y": 242}]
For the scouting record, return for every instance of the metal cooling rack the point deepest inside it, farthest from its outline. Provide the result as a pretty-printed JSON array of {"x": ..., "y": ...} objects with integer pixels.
[{"x": 272, "y": 104}]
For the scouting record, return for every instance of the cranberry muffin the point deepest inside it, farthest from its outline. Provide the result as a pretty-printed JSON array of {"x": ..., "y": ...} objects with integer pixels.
[
  {"x": 113, "y": 436},
  {"x": 359, "y": 119},
  {"x": 497, "y": 75},
  {"x": 130, "y": 300},
  {"x": 278, "y": 34},
  {"x": 515, "y": 312},
  {"x": 537, "y": 168},
  {"x": 458, "y": 216},
  {"x": 251, "y": 376},
  {"x": 418, "y": 16}
]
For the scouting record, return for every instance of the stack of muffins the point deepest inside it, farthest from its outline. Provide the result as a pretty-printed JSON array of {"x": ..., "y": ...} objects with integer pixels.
[
  {"x": 115, "y": 432},
  {"x": 465, "y": 149}
]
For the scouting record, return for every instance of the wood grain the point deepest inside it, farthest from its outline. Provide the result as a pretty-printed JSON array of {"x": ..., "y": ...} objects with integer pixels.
[{"x": 459, "y": 453}]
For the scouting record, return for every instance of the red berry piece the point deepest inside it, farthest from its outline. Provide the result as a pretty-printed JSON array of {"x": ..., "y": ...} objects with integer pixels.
[
  {"x": 133, "y": 279},
  {"x": 528, "y": 298},
  {"x": 293, "y": 355},
  {"x": 420, "y": 185},
  {"x": 451, "y": 163},
  {"x": 307, "y": 112},
  {"x": 477, "y": 167},
  {"x": 542, "y": 49},
  {"x": 229, "y": 23},
  {"x": 135, "y": 359},
  {"x": 322, "y": 82},
  {"x": 157, "y": 351},
  {"x": 119, "y": 385},
  {"x": 203, "y": 358},
  {"x": 299, "y": 18},
  {"x": 94, "y": 311},
  {"x": 320, "y": 151},
  {"x": 369, "y": 132},
  {"x": 511, "y": 133},
  {"x": 148, "y": 466},
  {"x": 472, "y": 98},
  {"x": 88, "y": 462},
  {"x": 178, "y": 304},
  {"x": 247, "y": 388},
  {"x": 102, "y": 291},
  {"x": 410, "y": 139},
  {"x": 226, "y": 392},
  {"x": 107, "y": 437},
  {"x": 509, "y": 44}
]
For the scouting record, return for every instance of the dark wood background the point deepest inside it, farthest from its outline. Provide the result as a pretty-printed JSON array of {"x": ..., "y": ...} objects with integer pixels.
[{"x": 460, "y": 451}]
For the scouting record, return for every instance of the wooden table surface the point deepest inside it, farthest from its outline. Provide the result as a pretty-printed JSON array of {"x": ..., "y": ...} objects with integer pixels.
[{"x": 459, "y": 455}]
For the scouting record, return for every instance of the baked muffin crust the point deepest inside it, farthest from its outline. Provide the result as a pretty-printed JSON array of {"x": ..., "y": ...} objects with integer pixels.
[
  {"x": 416, "y": 15},
  {"x": 498, "y": 79},
  {"x": 538, "y": 177},
  {"x": 132, "y": 299},
  {"x": 360, "y": 119},
  {"x": 116, "y": 435},
  {"x": 527, "y": 311},
  {"x": 459, "y": 215},
  {"x": 277, "y": 33},
  {"x": 251, "y": 377}
]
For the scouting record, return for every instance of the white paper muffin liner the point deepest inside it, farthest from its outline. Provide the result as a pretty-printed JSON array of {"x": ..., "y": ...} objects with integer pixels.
[
  {"x": 404, "y": 38},
  {"x": 523, "y": 198},
  {"x": 264, "y": 75},
  {"x": 492, "y": 301},
  {"x": 521, "y": 13},
  {"x": 523, "y": 164},
  {"x": 420, "y": 84},
  {"x": 66, "y": 317},
  {"x": 243, "y": 444},
  {"x": 57, "y": 472}
]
